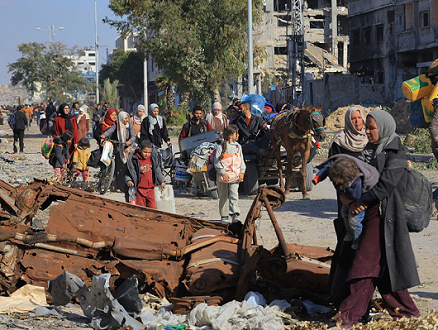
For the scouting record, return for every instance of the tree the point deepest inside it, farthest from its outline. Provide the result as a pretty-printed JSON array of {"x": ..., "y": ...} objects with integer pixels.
[
  {"x": 110, "y": 94},
  {"x": 197, "y": 43},
  {"x": 127, "y": 68},
  {"x": 165, "y": 85},
  {"x": 47, "y": 69}
]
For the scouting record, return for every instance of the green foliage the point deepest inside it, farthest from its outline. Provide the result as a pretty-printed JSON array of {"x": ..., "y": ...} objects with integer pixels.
[
  {"x": 110, "y": 94},
  {"x": 47, "y": 69},
  {"x": 387, "y": 109},
  {"x": 197, "y": 43},
  {"x": 127, "y": 68},
  {"x": 420, "y": 140}
]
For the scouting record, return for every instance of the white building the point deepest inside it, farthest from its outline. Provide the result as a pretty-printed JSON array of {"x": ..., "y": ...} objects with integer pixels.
[{"x": 85, "y": 63}]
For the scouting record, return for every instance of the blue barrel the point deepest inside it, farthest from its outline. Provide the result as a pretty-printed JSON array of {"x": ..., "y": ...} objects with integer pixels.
[{"x": 416, "y": 115}]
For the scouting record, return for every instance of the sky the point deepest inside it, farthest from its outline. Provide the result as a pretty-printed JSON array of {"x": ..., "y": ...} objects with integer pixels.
[{"x": 20, "y": 18}]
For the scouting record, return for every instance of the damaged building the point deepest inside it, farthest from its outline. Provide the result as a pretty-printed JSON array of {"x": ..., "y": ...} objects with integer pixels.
[
  {"x": 392, "y": 41},
  {"x": 325, "y": 45}
]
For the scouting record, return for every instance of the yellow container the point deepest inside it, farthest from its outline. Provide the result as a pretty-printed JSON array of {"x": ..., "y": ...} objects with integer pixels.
[
  {"x": 417, "y": 88},
  {"x": 427, "y": 109},
  {"x": 433, "y": 94}
]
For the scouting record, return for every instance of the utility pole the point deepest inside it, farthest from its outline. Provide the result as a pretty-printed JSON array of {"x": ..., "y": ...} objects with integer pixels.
[
  {"x": 295, "y": 49},
  {"x": 96, "y": 49},
  {"x": 250, "y": 51},
  {"x": 145, "y": 82}
]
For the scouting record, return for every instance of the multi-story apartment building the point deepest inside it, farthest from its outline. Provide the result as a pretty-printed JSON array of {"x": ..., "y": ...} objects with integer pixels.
[
  {"x": 391, "y": 41},
  {"x": 85, "y": 63},
  {"x": 326, "y": 45}
]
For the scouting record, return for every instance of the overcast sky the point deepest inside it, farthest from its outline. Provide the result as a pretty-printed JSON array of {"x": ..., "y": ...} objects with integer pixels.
[{"x": 20, "y": 18}]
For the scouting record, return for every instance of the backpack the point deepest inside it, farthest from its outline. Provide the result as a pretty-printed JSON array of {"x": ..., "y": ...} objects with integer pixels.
[
  {"x": 417, "y": 198},
  {"x": 417, "y": 201},
  {"x": 11, "y": 120},
  {"x": 47, "y": 148},
  {"x": 211, "y": 170}
]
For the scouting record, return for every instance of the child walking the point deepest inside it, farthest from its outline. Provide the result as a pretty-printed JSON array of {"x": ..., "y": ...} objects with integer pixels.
[
  {"x": 143, "y": 173},
  {"x": 351, "y": 178},
  {"x": 80, "y": 158},
  {"x": 230, "y": 168},
  {"x": 60, "y": 156}
]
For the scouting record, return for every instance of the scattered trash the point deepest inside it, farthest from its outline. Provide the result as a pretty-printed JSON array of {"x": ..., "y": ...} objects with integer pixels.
[{"x": 25, "y": 299}]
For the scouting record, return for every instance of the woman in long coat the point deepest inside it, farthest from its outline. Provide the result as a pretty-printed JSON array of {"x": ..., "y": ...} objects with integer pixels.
[
  {"x": 66, "y": 122},
  {"x": 385, "y": 258},
  {"x": 153, "y": 128}
]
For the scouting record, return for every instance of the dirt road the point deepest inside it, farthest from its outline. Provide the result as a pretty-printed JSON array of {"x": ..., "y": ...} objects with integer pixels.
[{"x": 307, "y": 222}]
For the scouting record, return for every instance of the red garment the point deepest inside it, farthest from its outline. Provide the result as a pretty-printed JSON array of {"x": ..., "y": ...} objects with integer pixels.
[
  {"x": 146, "y": 179},
  {"x": 145, "y": 197},
  {"x": 59, "y": 129},
  {"x": 107, "y": 120},
  {"x": 247, "y": 121}
]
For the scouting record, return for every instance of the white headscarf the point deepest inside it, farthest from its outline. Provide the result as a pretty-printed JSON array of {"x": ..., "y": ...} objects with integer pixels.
[
  {"x": 137, "y": 119},
  {"x": 122, "y": 133},
  {"x": 154, "y": 120},
  {"x": 220, "y": 115},
  {"x": 122, "y": 128},
  {"x": 82, "y": 112}
]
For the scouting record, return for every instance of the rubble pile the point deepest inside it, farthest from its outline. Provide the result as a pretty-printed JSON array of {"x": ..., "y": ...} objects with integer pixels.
[{"x": 49, "y": 230}]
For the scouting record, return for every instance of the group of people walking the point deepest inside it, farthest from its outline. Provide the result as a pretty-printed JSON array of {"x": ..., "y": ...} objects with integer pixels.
[{"x": 374, "y": 247}]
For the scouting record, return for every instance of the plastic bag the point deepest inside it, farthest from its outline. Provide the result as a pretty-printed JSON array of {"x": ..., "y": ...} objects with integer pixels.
[
  {"x": 257, "y": 103},
  {"x": 107, "y": 153}
]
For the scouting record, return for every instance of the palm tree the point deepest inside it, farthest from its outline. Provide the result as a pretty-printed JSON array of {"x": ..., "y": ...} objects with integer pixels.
[
  {"x": 164, "y": 84},
  {"x": 110, "y": 94}
]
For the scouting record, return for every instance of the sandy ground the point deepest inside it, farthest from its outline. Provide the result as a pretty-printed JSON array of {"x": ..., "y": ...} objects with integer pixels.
[{"x": 308, "y": 222}]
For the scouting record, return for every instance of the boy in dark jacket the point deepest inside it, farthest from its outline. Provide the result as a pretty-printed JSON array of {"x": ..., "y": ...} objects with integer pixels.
[
  {"x": 143, "y": 173},
  {"x": 60, "y": 156},
  {"x": 351, "y": 177}
]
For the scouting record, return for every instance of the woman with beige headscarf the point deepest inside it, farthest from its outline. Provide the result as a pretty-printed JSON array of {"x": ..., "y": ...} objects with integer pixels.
[
  {"x": 216, "y": 118},
  {"x": 352, "y": 139},
  {"x": 124, "y": 131}
]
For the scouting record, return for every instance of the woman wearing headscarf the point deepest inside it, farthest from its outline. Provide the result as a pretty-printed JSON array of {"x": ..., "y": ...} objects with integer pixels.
[
  {"x": 123, "y": 132},
  {"x": 153, "y": 128},
  {"x": 216, "y": 118},
  {"x": 109, "y": 120},
  {"x": 385, "y": 258},
  {"x": 66, "y": 122},
  {"x": 83, "y": 121},
  {"x": 137, "y": 119},
  {"x": 352, "y": 139}
]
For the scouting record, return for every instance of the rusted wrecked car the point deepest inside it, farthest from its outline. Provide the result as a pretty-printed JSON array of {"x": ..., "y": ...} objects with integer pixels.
[{"x": 48, "y": 229}]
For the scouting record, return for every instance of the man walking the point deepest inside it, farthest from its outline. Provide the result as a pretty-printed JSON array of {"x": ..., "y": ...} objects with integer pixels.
[
  {"x": 20, "y": 126},
  {"x": 196, "y": 125}
]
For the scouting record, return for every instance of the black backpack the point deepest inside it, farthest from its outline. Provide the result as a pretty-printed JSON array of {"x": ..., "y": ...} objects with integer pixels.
[{"x": 417, "y": 198}]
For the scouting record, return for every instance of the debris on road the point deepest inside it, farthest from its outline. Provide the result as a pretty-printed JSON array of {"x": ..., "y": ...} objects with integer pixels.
[{"x": 50, "y": 230}]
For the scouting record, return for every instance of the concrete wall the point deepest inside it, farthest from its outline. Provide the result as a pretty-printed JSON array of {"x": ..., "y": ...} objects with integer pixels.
[{"x": 336, "y": 90}]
